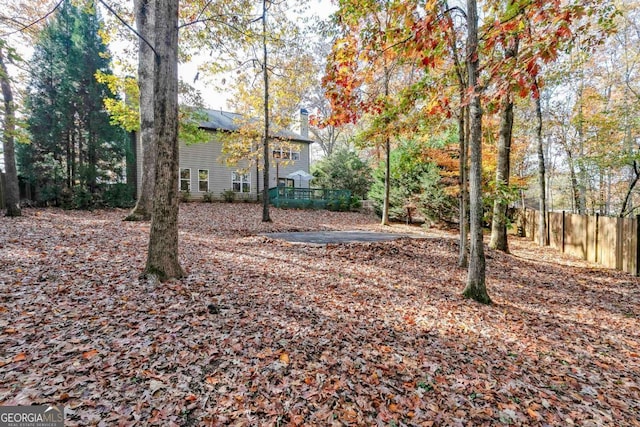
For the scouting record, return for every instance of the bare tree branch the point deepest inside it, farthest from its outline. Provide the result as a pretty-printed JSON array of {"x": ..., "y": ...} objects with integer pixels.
[
  {"x": 114, "y": 13},
  {"x": 37, "y": 21}
]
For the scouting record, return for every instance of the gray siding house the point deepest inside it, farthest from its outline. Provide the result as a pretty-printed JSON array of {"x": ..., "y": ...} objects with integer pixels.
[{"x": 202, "y": 169}]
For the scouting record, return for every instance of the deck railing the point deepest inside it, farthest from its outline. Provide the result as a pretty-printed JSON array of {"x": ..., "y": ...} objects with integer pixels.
[{"x": 308, "y": 198}]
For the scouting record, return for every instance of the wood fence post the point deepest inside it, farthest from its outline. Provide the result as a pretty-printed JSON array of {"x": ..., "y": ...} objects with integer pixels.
[
  {"x": 597, "y": 236},
  {"x": 548, "y": 215},
  {"x": 563, "y": 229},
  {"x": 619, "y": 251}
]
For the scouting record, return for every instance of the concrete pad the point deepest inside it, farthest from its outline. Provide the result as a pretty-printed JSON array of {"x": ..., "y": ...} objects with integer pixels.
[{"x": 324, "y": 237}]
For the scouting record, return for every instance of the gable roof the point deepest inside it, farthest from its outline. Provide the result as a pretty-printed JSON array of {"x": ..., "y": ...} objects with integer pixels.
[{"x": 225, "y": 121}]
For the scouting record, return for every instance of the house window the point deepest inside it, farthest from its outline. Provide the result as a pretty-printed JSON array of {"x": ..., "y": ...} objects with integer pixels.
[
  {"x": 203, "y": 180},
  {"x": 185, "y": 179},
  {"x": 286, "y": 154},
  {"x": 286, "y": 182},
  {"x": 241, "y": 182}
]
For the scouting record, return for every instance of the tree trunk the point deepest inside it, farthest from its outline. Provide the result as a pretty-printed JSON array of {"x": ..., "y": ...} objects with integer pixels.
[
  {"x": 463, "y": 127},
  {"x": 463, "y": 259},
  {"x": 542, "y": 185},
  {"x": 162, "y": 257},
  {"x": 499, "y": 220},
  {"x": 387, "y": 182},
  {"x": 580, "y": 187},
  {"x": 575, "y": 189},
  {"x": 12, "y": 194},
  {"x": 265, "y": 139},
  {"x": 145, "y": 23},
  {"x": 476, "y": 288},
  {"x": 499, "y": 239},
  {"x": 386, "y": 204},
  {"x": 627, "y": 197}
]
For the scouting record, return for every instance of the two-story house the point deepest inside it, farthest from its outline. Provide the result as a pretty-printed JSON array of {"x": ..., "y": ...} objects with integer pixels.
[{"x": 202, "y": 169}]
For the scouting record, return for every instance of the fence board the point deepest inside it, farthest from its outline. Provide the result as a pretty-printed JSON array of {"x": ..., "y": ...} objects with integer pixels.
[
  {"x": 575, "y": 241},
  {"x": 629, "y": 246},
  {"x": 555, "y": 230},
  {"x": 608, "y": 241}
]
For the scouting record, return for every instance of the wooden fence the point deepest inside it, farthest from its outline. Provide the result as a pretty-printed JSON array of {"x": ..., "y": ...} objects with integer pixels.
[{"x": 610, "y": 241}]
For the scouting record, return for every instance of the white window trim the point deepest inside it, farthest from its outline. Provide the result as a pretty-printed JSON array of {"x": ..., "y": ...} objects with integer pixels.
[
  {"x": 182, "y": 179},
  {"x": 208, "y": 181},
  {"x": 241, "y": 181},
  {"x": 291, "y": 152}
]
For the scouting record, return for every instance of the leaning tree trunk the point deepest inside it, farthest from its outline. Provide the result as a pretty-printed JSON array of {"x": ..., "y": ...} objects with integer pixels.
[
  {"x": 476, "y": 288},
  {"x": 162, "y": 257},
  {"x": 542, "y": 185},
  {"x": 145, "y": 22},
  {"x": 12, "y": 197},
  {"x": 632, "y": 185}
]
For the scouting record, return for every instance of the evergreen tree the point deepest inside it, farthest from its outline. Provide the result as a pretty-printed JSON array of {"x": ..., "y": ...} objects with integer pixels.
[
  {"x": 73, "y": 146},
  {"x": 343, "y": 169}
]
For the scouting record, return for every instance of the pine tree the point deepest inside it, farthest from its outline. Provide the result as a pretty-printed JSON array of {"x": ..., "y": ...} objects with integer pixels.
[{"x": 73, "y": 145}]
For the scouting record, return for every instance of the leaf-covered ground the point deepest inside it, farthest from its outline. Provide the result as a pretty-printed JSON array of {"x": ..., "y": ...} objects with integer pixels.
[{"x": 263, "y": 332}]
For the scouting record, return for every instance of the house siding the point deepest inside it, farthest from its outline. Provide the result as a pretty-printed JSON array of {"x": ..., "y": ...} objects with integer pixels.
[{"x": 209, "y": 156}]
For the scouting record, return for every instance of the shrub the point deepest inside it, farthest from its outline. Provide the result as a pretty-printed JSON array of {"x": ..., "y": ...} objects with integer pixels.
[
  {"x": 207, "y": 197},
  {"x": 185, "y": 195},
  {"x": 228, "y": 196},
  {"x": 341, "y": 204},
  {"x": 118, "y": 196}
]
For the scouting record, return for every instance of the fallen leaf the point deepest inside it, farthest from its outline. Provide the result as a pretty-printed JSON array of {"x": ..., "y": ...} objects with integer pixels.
[{"x": 90, "y": 354}]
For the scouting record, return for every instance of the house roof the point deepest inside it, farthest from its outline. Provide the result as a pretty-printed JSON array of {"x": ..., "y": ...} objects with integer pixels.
[{"x": 226, "y": 121}]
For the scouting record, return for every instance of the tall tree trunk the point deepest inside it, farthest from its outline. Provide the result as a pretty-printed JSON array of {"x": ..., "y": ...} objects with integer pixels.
[
  {"x": 387, "y": 182},
  {"x": 499, "y": 239},
  {"x": 476, "y": 288},
  {"x": 162, "y": 257},
  {"x": 92, "y": 161},
  {"x": 463, "y": 258},
  {"x": 265, "y": 139},
  {"x": 575, "y": 188},
  {"x": 581, "y": 177},
  {"x": 145, "y": 24},
  {"x": 499, "y": 220},
  {"x": 542, "y": 184},
  {"x": 387, "y": 160},
  {"x": 463, "y": 127},
  {"x": 70, "y": 157},
  {"x": 12, "y": 193}
]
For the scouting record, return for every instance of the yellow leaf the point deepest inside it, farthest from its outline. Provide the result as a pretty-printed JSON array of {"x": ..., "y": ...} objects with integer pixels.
[{"x": 284, "y": 358}]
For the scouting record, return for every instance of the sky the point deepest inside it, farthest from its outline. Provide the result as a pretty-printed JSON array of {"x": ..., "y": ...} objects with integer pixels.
[{"x": 320, "y": 9}]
